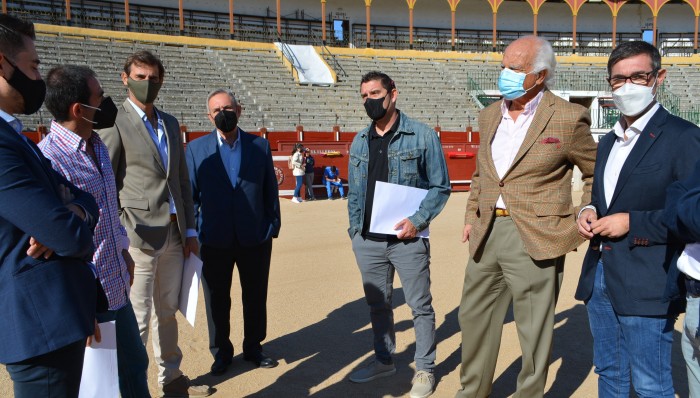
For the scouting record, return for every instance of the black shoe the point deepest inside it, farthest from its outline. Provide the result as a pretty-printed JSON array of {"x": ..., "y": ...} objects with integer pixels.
[
  {"x": 220, "y": 365},
  {"x": 261, "y": 360}
]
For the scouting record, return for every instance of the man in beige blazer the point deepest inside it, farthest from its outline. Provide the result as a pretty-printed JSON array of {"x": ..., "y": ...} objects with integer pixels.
[
  {"x": 156, "y": 208},
  {"x": 520, "y": 220}
]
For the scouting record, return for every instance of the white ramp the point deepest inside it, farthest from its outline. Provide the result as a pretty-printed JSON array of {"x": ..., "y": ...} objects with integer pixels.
[{"x": 309, "y": 65}]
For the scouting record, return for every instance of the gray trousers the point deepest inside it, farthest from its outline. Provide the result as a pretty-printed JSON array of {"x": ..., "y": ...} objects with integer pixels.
[
  {"x": 309, "y": 184},
  {"x": 411, "y": 260}
]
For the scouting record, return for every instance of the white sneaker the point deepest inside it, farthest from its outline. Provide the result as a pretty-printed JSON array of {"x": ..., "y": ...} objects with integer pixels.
[
  {"x": 374, "y": 370},
  {"x": 296, "y": 200},
  {"x": 423, "y": 383}
]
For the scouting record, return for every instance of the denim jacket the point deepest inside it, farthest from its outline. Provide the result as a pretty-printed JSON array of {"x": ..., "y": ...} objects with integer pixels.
[{"x": 415, "y": 160}]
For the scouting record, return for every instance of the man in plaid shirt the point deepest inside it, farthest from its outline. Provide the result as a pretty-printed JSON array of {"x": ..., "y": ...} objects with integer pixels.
[{"x": 76, "y": 100}]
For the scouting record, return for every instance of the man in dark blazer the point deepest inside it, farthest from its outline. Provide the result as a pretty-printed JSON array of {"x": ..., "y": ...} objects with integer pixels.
[
  {"x": 682, "y": 217},
  {"x": 238, "y": 213},
  {"x": 47, "y": 288},
  {"x": 155, "y": 205},
  {"x": 628, "y": 280}
]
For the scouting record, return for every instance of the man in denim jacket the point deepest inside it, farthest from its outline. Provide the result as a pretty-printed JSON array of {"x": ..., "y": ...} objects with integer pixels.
[{"x": 397, "y": 150}]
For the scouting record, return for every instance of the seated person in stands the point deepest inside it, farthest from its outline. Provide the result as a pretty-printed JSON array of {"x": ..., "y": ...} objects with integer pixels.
[{"x": 331, "y": 178}]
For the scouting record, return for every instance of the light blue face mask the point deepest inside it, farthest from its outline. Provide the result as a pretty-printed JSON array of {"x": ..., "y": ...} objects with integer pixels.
[{"x": 510, "y": 83}]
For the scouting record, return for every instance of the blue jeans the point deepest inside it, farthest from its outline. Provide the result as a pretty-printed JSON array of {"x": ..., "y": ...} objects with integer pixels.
[
  {"x": 297, "y": 188},
  {"x": 690, "y": 343},
  {"x": 132, "y": 359},
  {"x": 329, "y": 191},
  {"x": 411, "y": 260},
  {"x": 629, "y": 345}
]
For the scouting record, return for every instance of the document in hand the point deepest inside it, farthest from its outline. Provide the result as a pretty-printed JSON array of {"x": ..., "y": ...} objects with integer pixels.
[
  {"x": 100, "y": 377},
  {"x": 392, "y": 203},
  {"x": 189, "y": 291}
]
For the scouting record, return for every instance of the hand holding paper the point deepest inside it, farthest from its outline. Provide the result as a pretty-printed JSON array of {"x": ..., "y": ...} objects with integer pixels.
[{"x": 392, "y": 205}]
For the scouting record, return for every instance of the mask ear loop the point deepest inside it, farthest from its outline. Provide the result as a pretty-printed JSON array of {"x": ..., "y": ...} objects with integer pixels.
[{"x": 534, "y": 85}]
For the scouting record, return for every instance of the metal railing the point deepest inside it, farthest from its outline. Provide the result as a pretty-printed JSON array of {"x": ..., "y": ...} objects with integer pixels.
[{"x": 296, "y": 29}]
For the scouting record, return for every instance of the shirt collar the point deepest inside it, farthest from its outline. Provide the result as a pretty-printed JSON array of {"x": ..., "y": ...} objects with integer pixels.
[
  {"x": 221, "y": 139},
  {"x": 637, "y": 127},
  {"x": 15, "y": 123},
  {"x": 68, "y": 137},
  {"x": 530, "y": 107},
  {"x": 141, "y": 113},
  {"x": 394, "y": 127}
]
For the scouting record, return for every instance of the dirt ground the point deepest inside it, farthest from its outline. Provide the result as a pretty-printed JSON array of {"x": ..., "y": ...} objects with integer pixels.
[{"x": 318, "y": 321}]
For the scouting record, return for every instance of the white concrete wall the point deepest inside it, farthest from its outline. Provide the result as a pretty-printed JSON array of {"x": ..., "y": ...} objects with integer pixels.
[{"x": 471, "y": 14}]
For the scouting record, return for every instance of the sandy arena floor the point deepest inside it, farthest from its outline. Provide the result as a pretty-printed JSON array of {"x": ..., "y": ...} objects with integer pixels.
[{"x": 318, "y": 321}]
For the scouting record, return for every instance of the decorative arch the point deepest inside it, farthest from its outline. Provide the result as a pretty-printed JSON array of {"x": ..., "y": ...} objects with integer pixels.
[
  {"x": 615, "y": 6},
  {"x": 495, "y": 4},
  {"x": 655, "y": 6},
  {"x": 535, "y": 5},
  {"x": 695, "y": 5},
  {"x": 453, "y": 8},
  {"x": 575, "y": 6}
]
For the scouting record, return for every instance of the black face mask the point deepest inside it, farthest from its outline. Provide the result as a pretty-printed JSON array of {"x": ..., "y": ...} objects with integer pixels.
[
  {"x": 226, "y": 121},
  {"x": 105, "y": 115},
  {"x": 32, "y": 91},
  {"x": 375, "y": 108}
]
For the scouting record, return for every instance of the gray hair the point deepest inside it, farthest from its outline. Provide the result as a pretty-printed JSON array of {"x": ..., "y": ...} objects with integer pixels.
[
  {"x": 222, "y": 91},
  {"x": 544, "y": 59}
]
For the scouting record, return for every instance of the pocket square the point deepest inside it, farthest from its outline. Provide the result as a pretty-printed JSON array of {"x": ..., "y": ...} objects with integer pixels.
[{"x": 551, "y": 140}]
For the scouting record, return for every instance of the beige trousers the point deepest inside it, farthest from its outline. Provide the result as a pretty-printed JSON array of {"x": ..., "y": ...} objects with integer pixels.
[
  {"x": 505, "y": 273},
  {"x": 156, "y": 290}
]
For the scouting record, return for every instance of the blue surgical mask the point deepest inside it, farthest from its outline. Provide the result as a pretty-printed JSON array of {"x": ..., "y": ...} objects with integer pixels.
[{"x": 510, "y": 83}]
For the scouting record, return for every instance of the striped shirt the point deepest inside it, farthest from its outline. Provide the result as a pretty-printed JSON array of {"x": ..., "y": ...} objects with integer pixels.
[{"x": 67, "y": 152}]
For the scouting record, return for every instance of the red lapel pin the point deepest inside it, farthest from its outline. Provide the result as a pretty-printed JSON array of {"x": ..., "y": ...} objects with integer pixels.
[{"x": 652, "y": 135}]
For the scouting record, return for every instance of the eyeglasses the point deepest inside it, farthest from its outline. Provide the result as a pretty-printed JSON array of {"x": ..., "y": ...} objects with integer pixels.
[{"x": 641, "y": 78}]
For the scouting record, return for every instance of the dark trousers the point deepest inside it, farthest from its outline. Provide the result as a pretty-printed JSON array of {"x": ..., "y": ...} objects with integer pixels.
[
  {"x": 254, "y": 269},
  {"x": 132, "y": 359},
  {"x": 55, "y": 374}
]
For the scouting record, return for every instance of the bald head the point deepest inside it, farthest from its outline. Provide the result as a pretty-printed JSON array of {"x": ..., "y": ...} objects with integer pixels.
[{"x": 531, "y": 54}]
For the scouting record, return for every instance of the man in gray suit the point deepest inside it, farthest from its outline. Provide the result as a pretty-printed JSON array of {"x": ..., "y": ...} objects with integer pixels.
[{"x": 155, "y": 202}]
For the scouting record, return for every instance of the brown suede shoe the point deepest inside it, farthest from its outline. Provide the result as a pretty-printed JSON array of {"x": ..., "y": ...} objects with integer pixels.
[{"x": 182, "y": 388}]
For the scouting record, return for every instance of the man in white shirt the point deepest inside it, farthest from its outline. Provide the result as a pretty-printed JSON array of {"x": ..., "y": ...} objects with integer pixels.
[
  {"x": 156, "y": 208},
  {"x": 628, "y": 282}
]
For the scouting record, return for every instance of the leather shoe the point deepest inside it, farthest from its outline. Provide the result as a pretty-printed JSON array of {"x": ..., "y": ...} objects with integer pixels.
[
  {"x": 261, "y": 360},
  {"x": 220, "y": 365}
]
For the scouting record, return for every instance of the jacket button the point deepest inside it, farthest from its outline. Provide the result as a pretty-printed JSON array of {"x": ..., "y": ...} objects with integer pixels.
[{"x": 501, "y": 184}]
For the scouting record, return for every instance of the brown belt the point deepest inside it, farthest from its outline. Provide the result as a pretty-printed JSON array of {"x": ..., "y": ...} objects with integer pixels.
[
  {"x": 173, "y": 217},
  {"x": 502, "y": 213}
]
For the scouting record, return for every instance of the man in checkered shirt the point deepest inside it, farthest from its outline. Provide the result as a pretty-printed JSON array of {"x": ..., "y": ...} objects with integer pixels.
[{"x": 76, "y": 100}]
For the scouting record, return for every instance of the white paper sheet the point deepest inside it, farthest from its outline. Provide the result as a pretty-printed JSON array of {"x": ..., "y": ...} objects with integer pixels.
[
  {"x": 100, "y": 377},
  {"x": 189, "y": 291},
  {"x": 392, "y": 203}
]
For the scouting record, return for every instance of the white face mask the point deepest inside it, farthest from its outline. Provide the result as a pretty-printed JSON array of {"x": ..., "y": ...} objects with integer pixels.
[{"x": 632, "y": 99}]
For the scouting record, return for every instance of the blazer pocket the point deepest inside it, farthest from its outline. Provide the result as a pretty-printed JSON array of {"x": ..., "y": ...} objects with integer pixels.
[
  {"x": 647, "y": 169},
  {"x": 553, "y": 209},
  {"x": 140, "y": 204}
]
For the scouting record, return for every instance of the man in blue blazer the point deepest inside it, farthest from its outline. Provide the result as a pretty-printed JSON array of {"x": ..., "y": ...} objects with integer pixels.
[
  {"x": 47, "y": 287},
  {"x": 238, "y": 213},
  {"x": 682, "y": 218},
  {"x": 628, "y": 281}
]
